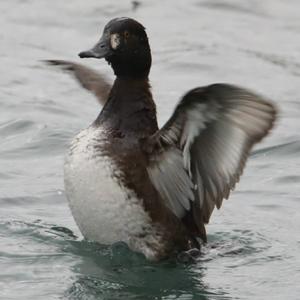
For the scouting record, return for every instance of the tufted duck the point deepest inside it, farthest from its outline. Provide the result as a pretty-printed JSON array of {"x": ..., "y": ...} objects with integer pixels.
[{"x": 155, "y": 189}]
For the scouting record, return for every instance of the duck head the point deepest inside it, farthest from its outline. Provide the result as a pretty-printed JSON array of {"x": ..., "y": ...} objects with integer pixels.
[{"x": 124, "y": 45}]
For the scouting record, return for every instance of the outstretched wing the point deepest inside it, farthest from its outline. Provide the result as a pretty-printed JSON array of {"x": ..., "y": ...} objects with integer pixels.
[
  {"x": 198, "y": 156},
  {"x": 87, "y": 77}
]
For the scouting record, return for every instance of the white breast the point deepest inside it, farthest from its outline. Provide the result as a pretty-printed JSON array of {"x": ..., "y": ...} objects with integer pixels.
[{"x": 104, "y": 210}]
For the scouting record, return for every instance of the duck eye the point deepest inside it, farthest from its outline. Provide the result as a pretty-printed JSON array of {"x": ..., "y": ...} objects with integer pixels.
[
  {"x": 115, "y": 40},
  {"x": 126, "y": 34}
]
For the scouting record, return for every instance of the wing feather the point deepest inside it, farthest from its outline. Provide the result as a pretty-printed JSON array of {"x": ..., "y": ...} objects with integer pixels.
[
  {"x": 87, "y": 77},
  {"x": 203, "y": 148}
]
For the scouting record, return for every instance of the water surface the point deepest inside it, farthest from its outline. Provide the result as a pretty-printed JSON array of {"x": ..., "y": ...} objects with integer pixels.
[{"x": 254, "y": 242}]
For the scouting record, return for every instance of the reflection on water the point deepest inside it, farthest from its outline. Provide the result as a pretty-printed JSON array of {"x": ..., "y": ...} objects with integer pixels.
[
  {"x": 115, "y": 272},
  {"x": 253, "y": 248}
]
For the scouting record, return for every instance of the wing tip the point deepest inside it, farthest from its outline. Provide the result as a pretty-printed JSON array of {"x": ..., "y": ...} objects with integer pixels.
[{"x": 65, "y": 65}]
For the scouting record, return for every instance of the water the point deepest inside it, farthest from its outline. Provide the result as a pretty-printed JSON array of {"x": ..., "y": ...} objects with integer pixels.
[{"x": 254, "y": 243}]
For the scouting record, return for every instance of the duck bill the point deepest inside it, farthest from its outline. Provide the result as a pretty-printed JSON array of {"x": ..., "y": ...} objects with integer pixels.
[{"x": 100, "y": 50}]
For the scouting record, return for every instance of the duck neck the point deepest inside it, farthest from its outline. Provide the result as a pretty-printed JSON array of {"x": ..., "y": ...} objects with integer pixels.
[{"x": 130, "y": 106}]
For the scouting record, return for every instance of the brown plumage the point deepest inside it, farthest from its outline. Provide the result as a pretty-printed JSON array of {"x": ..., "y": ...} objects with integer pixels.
[{"x": 182, "y": 171}]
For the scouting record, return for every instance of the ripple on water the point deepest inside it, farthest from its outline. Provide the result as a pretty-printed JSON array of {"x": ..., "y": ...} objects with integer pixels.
[
  {"x": 115, "y": 272},
  {"x": 15, "y": 127},
  {"x": 237, "y": 7},
  {"x": 287, "y": 149},
  {"x": 288, "y": 64},
  {"x": 102, "y": 272},
  {"x": 237, "y": 243},
  {"x": 44, "y": 142}
]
